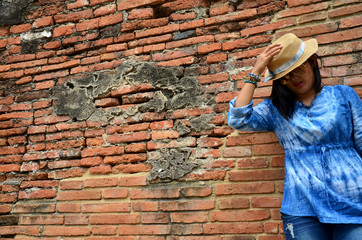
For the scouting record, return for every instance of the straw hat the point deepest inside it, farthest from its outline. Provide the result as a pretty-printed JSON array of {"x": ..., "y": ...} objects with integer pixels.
[{"x": 293, "y": 54}]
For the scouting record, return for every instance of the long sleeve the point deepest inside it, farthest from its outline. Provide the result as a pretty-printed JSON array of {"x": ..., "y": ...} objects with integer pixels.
[
  {"x": 249, "y": 118},
  {"x": 356, "y": 110}
]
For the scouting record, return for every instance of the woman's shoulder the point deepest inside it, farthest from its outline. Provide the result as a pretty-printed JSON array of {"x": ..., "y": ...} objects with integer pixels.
[
  {"x": 344, "y": 88},
  {"x": 339, "y": 90}
]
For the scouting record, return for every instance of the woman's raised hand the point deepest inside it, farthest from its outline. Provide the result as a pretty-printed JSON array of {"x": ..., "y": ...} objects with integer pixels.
[{"x": 265, "y": 57}]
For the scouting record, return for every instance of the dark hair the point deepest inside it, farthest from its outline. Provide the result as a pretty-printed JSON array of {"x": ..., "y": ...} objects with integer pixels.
[{"x": 284, "y": 99}]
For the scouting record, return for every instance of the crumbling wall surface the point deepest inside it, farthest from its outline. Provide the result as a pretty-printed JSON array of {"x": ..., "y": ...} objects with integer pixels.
[{"x": 113, "y": 115}]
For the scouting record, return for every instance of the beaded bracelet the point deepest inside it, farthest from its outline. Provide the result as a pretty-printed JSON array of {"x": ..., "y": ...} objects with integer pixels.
[
  {"x": 253, "y": 77},
  {"x": 249, "y": 81}
]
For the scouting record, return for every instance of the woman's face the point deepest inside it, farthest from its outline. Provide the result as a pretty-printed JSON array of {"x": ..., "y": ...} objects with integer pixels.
[{"x": 301, "y": 80}]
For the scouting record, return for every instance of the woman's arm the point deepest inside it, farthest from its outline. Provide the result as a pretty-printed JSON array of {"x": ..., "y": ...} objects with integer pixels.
[{"x": 246, "y": 94}]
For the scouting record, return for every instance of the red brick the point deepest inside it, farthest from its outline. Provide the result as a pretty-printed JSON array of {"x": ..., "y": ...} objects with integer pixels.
[
  {"x": 304, "y": 9},
  {"x": 257, "y": 175},
  {"x": 116, "y": 219},
  {"x": 178, "y": 62},
  {"x": 190, "y": 41},
  {"x": 155, "y": 218},
  {"x": 41, "y": 220},
  {"x": 14, "y": 41},
  {"x": 190, "y": 205},
  {"x": 154, "y": 193},
  {"x": 129, "y": 4},
  {"x": 77, "y": 4},
  {"x": 232, "y": 228},
  {"x": 154, "y": 47},
  {"x": 110, "y": 20},
  {"x": 132, "y": 168},
  {"x": 233, "y": 203},
  {"x": 38, "y": 194},
  {"x": 117, "y": 47},
  {"x": 34, "y": 208},
  {"x": 139, "y": 136},
  {"x": 174, "y": 54},
  {"x": 100, "y": 170},
  {"x": 167, "y": 134},
  {"x": 350, "y": 22},
  {"x": 141, "y": 13},
  {"x": 5, "y": 208},
  {"x": 295, "y": 3},
  {"x": 69, "y": 207},
  {"x": 239, "y": 215},
  {"x": 128, "y": 128},
  {"x": 266, "y": 202},
  {"x": 102, "y": 151},
  {"x": 52, "y": 45},
  {"x": 209, "y": 142},
  {"x": 66, "y": 231},
  {"x": 125, "y": 158},
  {"x": 180, "y": 4},
  {"x": 106, "y": 207},
  {"x": 96, "y": 2},
  {"x": 9, "y": 168},
  {"x": 104, "y": 230},
  {"x": 139, "y": 24},
  {"x": 235, "y": 16},
  {"x": 145, "y": 230},
  {"x": 312, "y": 17},
  {"x": 216, "y": 57},
  {"x": 76, "y": 220},
  {"x": 20, "y": 230},
  {"x": 192, "y": 25},
  {"x": 268, "y": 27},
  {"x": 150, "y": 40},
  {"x": 79, "y": 195},
  {"x": 221, "y": 9},
  {"x": 105, "y": 10},
  {"x": 43, "y": 22},
  {"x": 204, "y": 49},
  {"x": 63, "y": 31},
  {"x": 20, "y": 28},
  {"x": 196, "y": 191},
  {"x": 3, "y": 43},
  {"x": 115, "y": 194},
  {"x": 244, "y": 188},
  {"x": 345, "y": 11},
  {"x": 73, "y": 16},
  {"x": 185, "y": 16},
  {"x": 144, "y": 206},
  {"x": 4, "y": 31}
]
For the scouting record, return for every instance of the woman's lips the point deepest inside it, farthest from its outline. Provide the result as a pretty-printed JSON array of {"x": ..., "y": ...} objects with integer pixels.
[{"x": 298, "y": 84}]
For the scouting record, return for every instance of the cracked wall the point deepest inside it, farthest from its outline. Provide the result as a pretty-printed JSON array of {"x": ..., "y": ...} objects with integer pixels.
[{"x": 171, "y": 90}]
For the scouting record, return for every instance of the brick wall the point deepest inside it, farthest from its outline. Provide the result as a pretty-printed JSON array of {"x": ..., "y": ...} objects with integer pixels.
[{"x": 113, "y": 116}]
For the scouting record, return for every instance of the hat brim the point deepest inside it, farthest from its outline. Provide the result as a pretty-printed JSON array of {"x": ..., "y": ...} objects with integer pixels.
[{"x": 311, "y": 47}]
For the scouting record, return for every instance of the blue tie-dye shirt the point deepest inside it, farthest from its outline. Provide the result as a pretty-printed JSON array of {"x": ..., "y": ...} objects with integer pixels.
[{"x": 323, "y": 149}]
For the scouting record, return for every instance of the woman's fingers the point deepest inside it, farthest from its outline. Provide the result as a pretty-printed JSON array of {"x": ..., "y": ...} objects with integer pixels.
[{"x": 272, "y": 48}]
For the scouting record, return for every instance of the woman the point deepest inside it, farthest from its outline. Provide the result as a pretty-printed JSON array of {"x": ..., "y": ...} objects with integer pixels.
[{"x": 320, "y": 129}]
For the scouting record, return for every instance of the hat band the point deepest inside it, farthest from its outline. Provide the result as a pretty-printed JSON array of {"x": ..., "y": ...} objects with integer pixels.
[{"x": 288, "y": 64}]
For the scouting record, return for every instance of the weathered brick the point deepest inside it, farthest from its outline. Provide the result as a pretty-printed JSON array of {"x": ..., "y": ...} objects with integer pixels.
[
  {"x": 345, "y": 11},
  {"x": 105, "y": 207},
  {"x": 105, "y": 10},
  {"x": 115, "y": 219},
  {"x": 65, "y": 231},
  {"x": 303, "y": 10},
  {"x": 233, "y": 228},
  {"x": 129, "y": 4},
  {"x": 20, "y": 28},
  {"x": 141, "y": 13},
  {"x": 73, "y": 16},
  {"x": 43, "y": 22},
  {"x": 239, "y": 215},
  {"x": 79, "y": 195}
]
